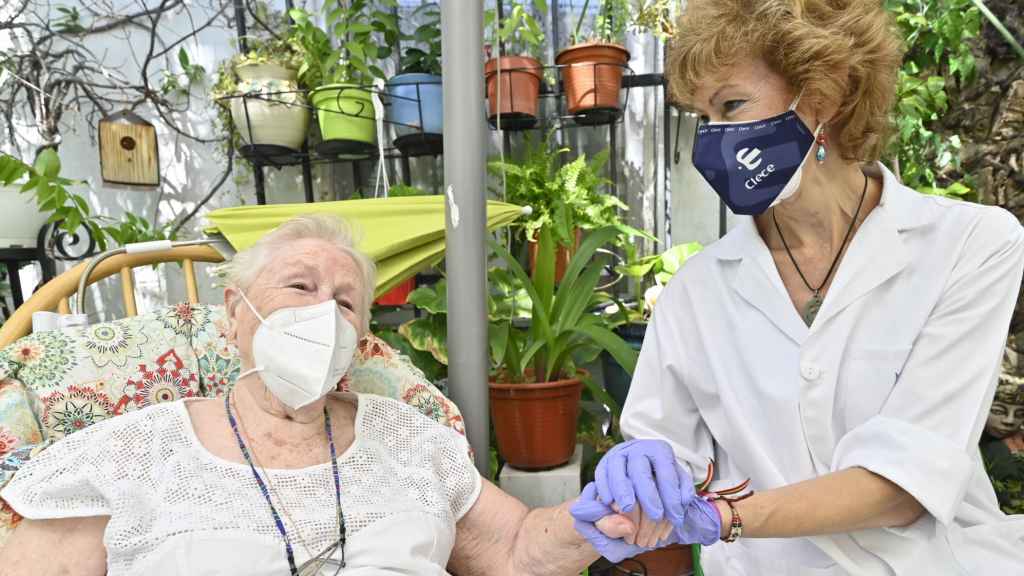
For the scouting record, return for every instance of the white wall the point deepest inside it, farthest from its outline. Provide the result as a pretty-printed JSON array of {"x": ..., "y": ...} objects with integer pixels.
[{"x": 189, "y": 169}]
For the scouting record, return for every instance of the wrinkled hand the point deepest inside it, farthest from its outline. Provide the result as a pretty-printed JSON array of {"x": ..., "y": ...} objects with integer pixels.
[
  {"x": 603, "y": 528},
  {"x": 646, "y": 471}
]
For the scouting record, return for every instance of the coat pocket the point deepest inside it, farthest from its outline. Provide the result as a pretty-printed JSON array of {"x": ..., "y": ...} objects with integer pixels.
[{"x": 866, "y": 379}]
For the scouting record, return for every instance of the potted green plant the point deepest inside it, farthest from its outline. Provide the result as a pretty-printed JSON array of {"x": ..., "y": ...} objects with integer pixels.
[
  {"x": 535, "y": 384},
  {"x": 260, "y": 91},
  {"x": 56, "y": 201},
  {"x": 520, "y": 71},
  {"x": 341, "y": 77},
  {"x": 507, "y": 300},
  {"x": 416, "y": 105},
  {"x": 592, "y": 67},
  {"x": 649, "y": 275},
  {"x": 565, "y": 198}
]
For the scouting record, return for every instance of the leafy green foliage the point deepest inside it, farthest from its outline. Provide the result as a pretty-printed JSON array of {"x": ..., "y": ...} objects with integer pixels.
[
  {"x": 71, "y": 210},
  {"x": 560, "y": 320},
  {"x": 181, "y": 83},
  {"x": 563, "y": 198},
  {"x": 507, "y": 301},
  {"x": 611, "y": 21},
  {"x": 399, "y": 190},
  {"x": 662, "y": 267},
  {"x": 69, "y": 21},
  {"x": 613, "y": 17},
  {"x": 519, "y": 31},
  {"x": 422, "y": 360},
  {"x": 424, "y": 56},
  {"x": 364, "y": 33},
  {"x": 134, "y": 229},
  {"x": 937, "y": 34}
]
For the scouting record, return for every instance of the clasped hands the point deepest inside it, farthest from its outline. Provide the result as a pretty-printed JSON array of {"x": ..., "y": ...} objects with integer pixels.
[{"x": 643, "y": 472}]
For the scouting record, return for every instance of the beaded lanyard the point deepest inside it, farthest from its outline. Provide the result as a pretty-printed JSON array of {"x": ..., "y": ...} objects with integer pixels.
[{"x": 266, "y": 494}]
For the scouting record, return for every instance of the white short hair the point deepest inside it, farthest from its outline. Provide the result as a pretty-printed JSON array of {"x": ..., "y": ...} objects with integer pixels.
[{"x": 243, "y": 269}]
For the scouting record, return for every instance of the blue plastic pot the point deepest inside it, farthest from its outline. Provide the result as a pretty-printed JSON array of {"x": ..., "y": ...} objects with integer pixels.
[
  {"x": 616, "y": 379},
  {"x": 418, "y": 103}
]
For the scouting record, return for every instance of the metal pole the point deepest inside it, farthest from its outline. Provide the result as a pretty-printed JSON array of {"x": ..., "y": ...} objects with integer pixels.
[
  {"x": 258, "y": 181},
  {"x": 243, "y": 43},
  {"x": 465, "y": 146},
  {"x": 307, "y": 174}
]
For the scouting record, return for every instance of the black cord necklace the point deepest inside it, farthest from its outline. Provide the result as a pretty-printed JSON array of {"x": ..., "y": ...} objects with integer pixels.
[{"x": 814, "y": 304}]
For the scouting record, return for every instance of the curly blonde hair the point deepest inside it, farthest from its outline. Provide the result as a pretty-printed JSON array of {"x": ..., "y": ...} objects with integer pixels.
[{"x": 843, "y": 53}]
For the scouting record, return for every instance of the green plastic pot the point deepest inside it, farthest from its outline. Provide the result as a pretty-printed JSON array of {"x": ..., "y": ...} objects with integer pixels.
[{"x": 345, "y": 112}]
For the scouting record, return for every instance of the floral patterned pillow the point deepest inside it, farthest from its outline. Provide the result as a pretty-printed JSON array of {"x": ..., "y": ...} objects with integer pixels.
[
  {"x": 19, "y": 435},
  {"x": 80, "y": 376}
]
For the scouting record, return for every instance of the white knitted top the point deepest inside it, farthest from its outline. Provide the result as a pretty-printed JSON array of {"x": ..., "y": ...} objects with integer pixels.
[{"x": 175, "y": 508}]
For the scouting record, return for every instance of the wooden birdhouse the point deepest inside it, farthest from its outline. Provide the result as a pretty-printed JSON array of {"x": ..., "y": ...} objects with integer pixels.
[{"x": 128, "y": 150}]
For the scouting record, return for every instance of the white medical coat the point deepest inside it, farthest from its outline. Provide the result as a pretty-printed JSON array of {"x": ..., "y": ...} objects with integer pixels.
[{"x": 896, "y": 375}]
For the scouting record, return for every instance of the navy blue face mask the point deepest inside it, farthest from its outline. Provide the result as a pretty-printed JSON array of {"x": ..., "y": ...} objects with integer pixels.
[{"x": 753, "y": 165}]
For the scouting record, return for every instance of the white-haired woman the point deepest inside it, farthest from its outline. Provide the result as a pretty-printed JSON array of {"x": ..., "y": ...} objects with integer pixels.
[{"x": 282, "y": 475}]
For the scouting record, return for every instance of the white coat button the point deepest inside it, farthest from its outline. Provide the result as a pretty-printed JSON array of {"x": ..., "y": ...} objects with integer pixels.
[{"x": 810, "y": 371}]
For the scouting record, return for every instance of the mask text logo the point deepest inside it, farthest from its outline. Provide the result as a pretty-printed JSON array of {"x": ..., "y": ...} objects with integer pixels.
[{"x": 750, "y": 159}]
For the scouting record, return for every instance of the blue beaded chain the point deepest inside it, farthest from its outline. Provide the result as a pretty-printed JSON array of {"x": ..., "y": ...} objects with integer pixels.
[{"x": 266, "y": 494}]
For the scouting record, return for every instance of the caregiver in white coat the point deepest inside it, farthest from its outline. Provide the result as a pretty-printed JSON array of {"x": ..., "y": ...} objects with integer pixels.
[{"x": 839, "y": 348}]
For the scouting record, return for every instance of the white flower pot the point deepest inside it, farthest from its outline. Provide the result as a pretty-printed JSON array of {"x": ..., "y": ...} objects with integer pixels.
[
  {"x": 269, "y": 117},
  {"x": 20, "y": 219}
]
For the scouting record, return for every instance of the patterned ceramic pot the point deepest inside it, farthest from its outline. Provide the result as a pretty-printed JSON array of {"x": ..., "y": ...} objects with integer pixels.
[{"x": 272, "y": 110}]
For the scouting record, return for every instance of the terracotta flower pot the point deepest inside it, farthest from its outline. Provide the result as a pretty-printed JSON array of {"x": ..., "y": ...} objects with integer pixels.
[
  {"x": 535, "y": 424},
  {"x": 592, "y": 77},
  {"x": 674, "y": 560},
  {"x": 520, "y": 89},
  {"x": 563, "y": 254}
]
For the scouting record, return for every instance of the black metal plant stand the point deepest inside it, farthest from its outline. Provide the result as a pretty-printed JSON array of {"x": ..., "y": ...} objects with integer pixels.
[{"x": 418, "y": 143}]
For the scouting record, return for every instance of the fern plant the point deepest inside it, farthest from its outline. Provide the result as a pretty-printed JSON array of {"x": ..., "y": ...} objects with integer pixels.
[{"x": 563, "y": 198}]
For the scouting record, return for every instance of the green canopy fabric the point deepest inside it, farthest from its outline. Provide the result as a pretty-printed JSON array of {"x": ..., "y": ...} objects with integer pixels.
[{"x": 403, "y": 235}]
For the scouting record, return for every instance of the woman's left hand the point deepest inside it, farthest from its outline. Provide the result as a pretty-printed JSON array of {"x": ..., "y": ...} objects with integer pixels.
[{"x": 646, "y": 471}]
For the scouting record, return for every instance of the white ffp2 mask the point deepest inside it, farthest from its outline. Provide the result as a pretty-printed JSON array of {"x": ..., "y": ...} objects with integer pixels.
[{"x": 301, "y": 353}]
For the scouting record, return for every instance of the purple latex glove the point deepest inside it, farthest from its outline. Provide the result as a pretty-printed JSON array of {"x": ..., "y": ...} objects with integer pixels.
[
  {"x": 586, "y": 511},
  {"x": 702, "y": 525},
  {"x": 645, "y": 471}
]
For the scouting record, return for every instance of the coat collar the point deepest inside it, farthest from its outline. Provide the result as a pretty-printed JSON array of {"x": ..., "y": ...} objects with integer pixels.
[{"x": 876, "y": 253}]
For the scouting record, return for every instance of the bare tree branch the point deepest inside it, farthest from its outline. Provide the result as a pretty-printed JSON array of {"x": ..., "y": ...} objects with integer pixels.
[{"x": 209, "y": 195}]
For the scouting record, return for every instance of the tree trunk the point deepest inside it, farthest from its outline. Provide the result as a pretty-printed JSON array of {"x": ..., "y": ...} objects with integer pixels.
[{"x": 989, "y": 116}]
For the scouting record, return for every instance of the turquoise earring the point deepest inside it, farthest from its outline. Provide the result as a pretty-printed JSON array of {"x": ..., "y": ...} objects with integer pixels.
[{"x": 822, "y": 152}]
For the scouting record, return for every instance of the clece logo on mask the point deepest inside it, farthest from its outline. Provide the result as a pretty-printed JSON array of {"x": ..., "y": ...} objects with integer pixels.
[{"x": 751, "y": 160}]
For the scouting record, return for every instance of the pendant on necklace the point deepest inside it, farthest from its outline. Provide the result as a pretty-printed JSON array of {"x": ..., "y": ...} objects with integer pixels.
[{"x": 811, "y": 309}]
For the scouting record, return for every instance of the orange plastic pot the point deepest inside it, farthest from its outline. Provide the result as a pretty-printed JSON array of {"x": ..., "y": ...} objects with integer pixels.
[
  {"x": 563, "y": 254},
  {"x": 592, "y": 76},
  {"x": 535, "y": 424},
  {"x": 674, "y": 560},
  {"x": 398, "y": 295},
  {"x": 519, "y": 84}
]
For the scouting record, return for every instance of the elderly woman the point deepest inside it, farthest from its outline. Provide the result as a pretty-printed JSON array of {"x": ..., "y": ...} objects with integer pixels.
[
  {"x": 840, "y": 347},
  {"x": 282, "y": 475}
]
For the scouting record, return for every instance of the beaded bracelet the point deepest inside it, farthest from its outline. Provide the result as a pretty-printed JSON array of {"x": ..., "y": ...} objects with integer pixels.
[
  {"x": 735, "y": 525},
  {"x": 736, "y": 522}
]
